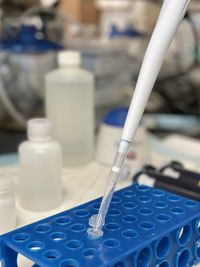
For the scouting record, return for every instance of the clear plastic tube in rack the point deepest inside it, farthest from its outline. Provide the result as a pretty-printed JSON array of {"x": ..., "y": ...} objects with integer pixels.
[{"x": 97, "y": 221}]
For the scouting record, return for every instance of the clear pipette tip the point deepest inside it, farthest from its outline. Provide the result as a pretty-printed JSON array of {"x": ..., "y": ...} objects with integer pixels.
[{"x": 97, "y": 221}]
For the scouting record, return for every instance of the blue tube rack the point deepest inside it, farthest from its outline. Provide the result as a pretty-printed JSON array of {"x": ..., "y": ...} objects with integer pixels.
[{"x": 145, "y": 227}]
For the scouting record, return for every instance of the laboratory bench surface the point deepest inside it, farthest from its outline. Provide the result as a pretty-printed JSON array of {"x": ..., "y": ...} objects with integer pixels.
[{"x": 91, "y": 179}]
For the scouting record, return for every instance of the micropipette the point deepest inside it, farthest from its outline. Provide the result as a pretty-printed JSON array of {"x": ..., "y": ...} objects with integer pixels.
[{"x": 171, "y": 14}]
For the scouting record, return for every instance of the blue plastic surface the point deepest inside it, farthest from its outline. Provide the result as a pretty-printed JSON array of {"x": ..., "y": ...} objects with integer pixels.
[
  {"x": 27, "y": 42},
  {"x": 145, "y": 227},
  {"x": 116, "y": 117},
  {"x": 9, "y": 159},
  {"x": 128, "y": 32}
]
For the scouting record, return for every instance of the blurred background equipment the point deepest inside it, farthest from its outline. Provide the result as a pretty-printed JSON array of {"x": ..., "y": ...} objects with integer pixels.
[
  {"x": 28, "y": 51},
  {"x": 112, "y": 36},
  {"x": 173, "y": 177},
  {"x": 113, "y": 69},
  {"x": 114, "y": 15},
  {"x": 84, "y": 12},
  {"x": 24, "y": 61}
]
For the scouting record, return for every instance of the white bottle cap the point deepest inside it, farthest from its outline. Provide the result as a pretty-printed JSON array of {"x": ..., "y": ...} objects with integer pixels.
[
  {"x": 6, "y": 184},
  {"x": 114, "y": 4},
  {"x": 39, "y": 129},
  {"x": 69, "y": 58}
]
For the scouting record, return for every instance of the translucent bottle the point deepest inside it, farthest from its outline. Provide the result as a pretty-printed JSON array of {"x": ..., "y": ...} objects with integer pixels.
[
  {"x": 40, "y": 186},
  {"x": 7, "y": 203},
  {"x": 70, "y": 107}
]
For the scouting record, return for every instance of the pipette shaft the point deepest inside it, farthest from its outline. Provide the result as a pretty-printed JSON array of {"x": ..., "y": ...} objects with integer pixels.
[
  {"x": 161, "y": 39},
  {"x": 169, "y": 19}
]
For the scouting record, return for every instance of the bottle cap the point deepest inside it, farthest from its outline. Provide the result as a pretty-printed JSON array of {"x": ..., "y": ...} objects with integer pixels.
[
  {"x": 114, "y": 4},
  {"x": 69, "y": 58},
  {"x": 6, "y": 184},
  {"x": 39, "y": 129}
]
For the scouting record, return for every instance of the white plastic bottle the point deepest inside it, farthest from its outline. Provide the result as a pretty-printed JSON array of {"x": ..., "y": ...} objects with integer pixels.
[
  {"x": 70, "y": 107},
  {"x": 7, "y": 203},
  {"x": 40, "y": 186}
]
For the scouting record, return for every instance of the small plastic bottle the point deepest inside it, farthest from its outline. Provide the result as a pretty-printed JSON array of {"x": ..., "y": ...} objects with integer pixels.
[
  {"x": 7, "y": 203},
  {"x": 40, "y": 186},
  {"x": 70, "y": 107}
]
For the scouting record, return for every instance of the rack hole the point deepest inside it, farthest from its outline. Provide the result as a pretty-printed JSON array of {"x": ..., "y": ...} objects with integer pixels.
[
  {"x": 21, "y": 237},
  {"x": 147, "y": 226},
  {"x": 191, "y": 204},
  {"x": 129, "y": 193},
  {"x": 52, "y": 254},
  {"x": 81, "y": 213},
  {"x": 184, "y": 235},
  {"x": 111, "y": 243},
  {"x": 129, "y": 219},
  {"x": 36, "y": 246},
  {"x": 112, "y": 226},
  {"x": 163, "y": 217},
  {"x": 43, "y": 228},
  {"x": 120, "y": 264},
  {"x": 145, "y": 211},
  {"x": 162, "y": 247},
  {"x": 62, "y": 221},
  {"x": 177, "y": 210},
  {"x": 69, "y": 263},
  {"x": 129, "y": 233},
  {"x": 115, "y": 200},
  {"x": 114, "y": 212},
  {"x": 96, "y": 206},
  {"x": 143, "y": 188},
  {"x": 74, "y": 244},
  {"x": 163, "y": 264},
  {"x": 173, "y": 198},
  {"x": 144, "y": 258},
  {"x": 129, "y": 205},
  {"x": 78, "y": 227},
  {"x": 59, "y": 236},
  {"x": 158, "y": 193},
  {"x": 160, "y": 205},
  {"x": 90, "y": 253},
  {"x": 144, "y": 199},
  {"x": 182, "y": 258}
]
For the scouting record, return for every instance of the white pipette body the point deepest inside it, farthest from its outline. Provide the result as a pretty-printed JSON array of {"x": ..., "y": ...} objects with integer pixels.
[
  {"x": 162, "y": 37},
  {"x": 169, "y": 19}
]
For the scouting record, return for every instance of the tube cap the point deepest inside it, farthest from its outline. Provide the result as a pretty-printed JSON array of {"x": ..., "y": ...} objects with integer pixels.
[
  {"x": 39, "y": 129},
  {"x": 69, "y": 58}
]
